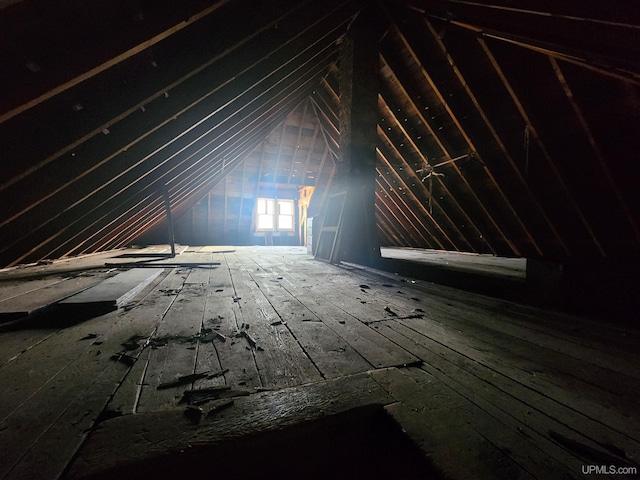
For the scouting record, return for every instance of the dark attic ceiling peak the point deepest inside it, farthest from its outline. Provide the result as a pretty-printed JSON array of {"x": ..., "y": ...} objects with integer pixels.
[{"x": 505, "y": 127}]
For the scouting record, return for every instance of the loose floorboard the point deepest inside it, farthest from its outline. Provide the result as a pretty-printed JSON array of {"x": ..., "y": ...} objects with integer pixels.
[
  {"x": 27, "y": 298},
  {"x": 115, "y": 291},
  {"x": 466, "y": 262},
  {"x": 485, "y": 387}
]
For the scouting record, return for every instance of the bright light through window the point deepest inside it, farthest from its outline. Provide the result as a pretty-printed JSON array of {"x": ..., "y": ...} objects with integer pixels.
[
  {"x": 266, "y": 215},
  {"x": 285, "y": 215}
]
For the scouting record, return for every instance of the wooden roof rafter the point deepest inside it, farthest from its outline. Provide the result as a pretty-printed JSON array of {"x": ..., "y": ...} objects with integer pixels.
[
  {"x": 472, "y": 148},
  {"x": 496, "y": 137},
  {"x": 307, "y": 160},
  {"x": 563, "y": 28},
  {"x": 427, "y": 122},
  {"x": 153, "y": 218},
  {"x": 147, "y": 211},
  {"x": 420, "y": 187},
  {"x": 231, "y": 72},
  {"x": 420, "y": 224},
  {"x": 204, "y": 180},
  {"x": 398, "y": 217},
  {"x": 413, "y": 223},
  {"x": 264, "y": 124},
  {"x": 382, "y": 216},
  {"x": 274, "y": 174},
  {"x": 297, "y": 145},
  {"x": 606, "y": 171},
  {"x": 389, "y": 114},
  {"x": 278, "y": 65},
  {"x": 330, "y": 132},
  {"x": 111, "y": 62},
  {"x": 289, "y": 74},
  {"x": 543, "y": 148}
]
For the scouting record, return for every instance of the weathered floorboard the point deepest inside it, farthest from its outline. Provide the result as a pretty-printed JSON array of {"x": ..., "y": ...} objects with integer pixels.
[
  {"x": 170, "y": 431},
  {"x": 222, "y": 315},
  {"x": 444, "y": 425},
  {"x": 280, "y": 359},
  {"x": 330, "y": 354},
  {"x": 334, "y": 310},
  {"x": 504, "y": 384},
  {"x": 58, "y": 390},
  {"x": 175, "y": 349},
  {"x": 115, "y": 291},
  {"x": 35, "y": 295}
]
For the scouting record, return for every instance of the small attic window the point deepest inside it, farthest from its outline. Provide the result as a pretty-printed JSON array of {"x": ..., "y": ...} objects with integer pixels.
[{"x": 274, "y": 215}]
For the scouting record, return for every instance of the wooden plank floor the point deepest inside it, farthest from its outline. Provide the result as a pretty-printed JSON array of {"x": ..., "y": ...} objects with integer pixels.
[
  {"x": 487, "y": 388},
  {"x": 513, "y": 268}
]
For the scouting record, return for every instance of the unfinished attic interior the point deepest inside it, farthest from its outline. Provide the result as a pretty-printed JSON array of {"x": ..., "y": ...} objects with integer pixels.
[{"x": 341, "y": 239}]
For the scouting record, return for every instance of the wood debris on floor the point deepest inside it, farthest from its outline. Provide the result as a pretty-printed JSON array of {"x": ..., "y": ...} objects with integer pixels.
[{"x": 486, "y": 388}]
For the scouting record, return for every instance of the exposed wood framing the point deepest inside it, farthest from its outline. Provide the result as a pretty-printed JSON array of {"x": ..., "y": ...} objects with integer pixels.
[
  {"x": 309, "y": 74},
  {"x": 553, "y": 51},
  {"x": 383, "y": 218},
  {"x": 44, "y": 197},
  {"x": 307, "y": 160},
  {"x": 516, "y": 171},
  {"x": 329, "y": 130},
  {"x": 297, "y": 145},
  {"x": 167, "y": 203},
  {"x": 409, "y": 222},
  {"x": 279, "y": 153},
  {"x": 448, "y": 154},
  {"x": 594, "y": 147},
  {"x": 154, "y": 96},
  {"x": 242, "y": 194},
  {"x": 416, "y": 180},
  {"x": 390, "y": 114},
  {"x": 412, "y": 211},
  {"x": 114, "y": 61},
  {"x": 472, "y": 148},
  {"x": 542, "y": 146}
]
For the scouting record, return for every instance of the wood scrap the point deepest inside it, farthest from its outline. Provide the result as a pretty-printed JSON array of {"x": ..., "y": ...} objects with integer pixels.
[
  {"x": 249, "y": 338},
  {"x": 124, "y": 358},
  {"x": 183, "y": 380},
  {"x": 215, "y": 407},
  {"x": 390, "y": 312},
  {"x": 193, "y": 413}
]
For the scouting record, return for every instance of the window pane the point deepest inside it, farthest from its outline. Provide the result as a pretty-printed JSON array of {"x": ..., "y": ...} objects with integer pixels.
[
  {"x": 265, "y": 206},
  {"x": 285, "y": 222},
  {"x": 286, "y": 207},
  {"x": 265, "y": 222}
]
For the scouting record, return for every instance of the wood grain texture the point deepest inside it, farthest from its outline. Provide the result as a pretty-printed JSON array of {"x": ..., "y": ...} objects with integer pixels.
[
  {"x": 499, "y": 376},
  {"x": 442, "y": 423},
  {"x": 59, "y": 388},
  {"x": 133, "y": 438},
  {"x": 28, "y": 298},
  {"x": 115, "y": 291}
]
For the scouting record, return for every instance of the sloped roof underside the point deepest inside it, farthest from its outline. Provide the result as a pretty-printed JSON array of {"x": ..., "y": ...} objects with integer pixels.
[{"x": 507, "y": 128}]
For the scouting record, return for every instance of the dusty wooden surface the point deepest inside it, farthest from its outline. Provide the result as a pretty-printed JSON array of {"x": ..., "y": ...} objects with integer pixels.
[
  {"x": 466, "y": 262},
  {"x": 18, "y": 299},
  {"x": 487, "y": 388},
  {"x": 115, "y": 291}
]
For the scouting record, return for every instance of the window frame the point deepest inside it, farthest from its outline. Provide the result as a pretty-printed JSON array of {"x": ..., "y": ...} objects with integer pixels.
[{"x": 271, "y": 207}]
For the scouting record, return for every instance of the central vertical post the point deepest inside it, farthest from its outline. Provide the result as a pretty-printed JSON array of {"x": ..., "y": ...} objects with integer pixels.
[{"x": 356, "y": 170}]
